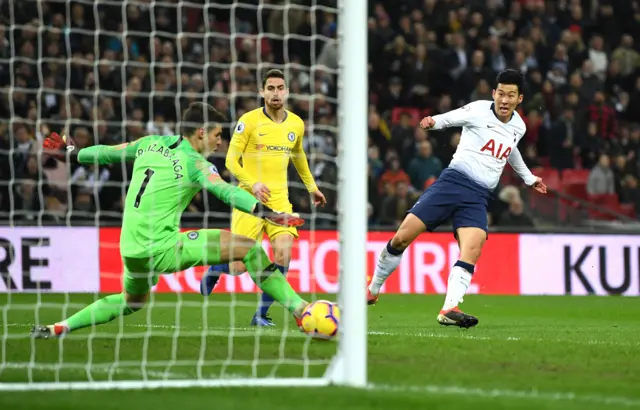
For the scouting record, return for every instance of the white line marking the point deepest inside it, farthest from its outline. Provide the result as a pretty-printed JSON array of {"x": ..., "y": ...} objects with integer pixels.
[
  {"x": 506, "y": 393},
  {"x": 94, "y": 368},
  {"x": 445, "y": 334},
  {"x": 246, "y": 381}
]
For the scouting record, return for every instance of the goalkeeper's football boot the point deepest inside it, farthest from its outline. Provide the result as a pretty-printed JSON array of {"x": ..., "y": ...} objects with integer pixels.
[
  {"x": 456, "y": 317},
  {"x": 210, "y": 280},
  {"x": 262, "y": 320},
  {"x": 46, "y": 332},
  {"x": 371, "y": 300}
]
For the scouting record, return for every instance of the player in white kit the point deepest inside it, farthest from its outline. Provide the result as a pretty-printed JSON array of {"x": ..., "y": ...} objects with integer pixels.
[{"x": 491, "y": 131}]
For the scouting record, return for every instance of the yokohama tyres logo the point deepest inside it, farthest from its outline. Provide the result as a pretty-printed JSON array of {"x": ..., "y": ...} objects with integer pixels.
[{"x": 314, "y": 265}]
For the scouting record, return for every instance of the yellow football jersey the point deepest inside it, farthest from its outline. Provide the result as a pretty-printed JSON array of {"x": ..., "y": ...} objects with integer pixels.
[{"x": 260, "y": 151}]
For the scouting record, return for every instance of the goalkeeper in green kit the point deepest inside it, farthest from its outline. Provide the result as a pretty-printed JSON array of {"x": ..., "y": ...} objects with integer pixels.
[{"x": 168, "y": 171}]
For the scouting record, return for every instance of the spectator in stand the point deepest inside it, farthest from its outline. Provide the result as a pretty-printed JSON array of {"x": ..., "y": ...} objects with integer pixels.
[
  {"x": 394, "y": 174},
  {"x": 530, "y": 156},
  {"x": 603, "y": 115},
  {"x": 424, "y": 166},
  {"x": 601, "y": 178},
  {"x": 394, "y": 204},
  {"x": 627, "y": 56},
  {"x": 562, "y": 137},
  {"x": 630, "y": 193},
  {"x": 592, "y": 147},
  {"x": 376, "y": 165},
  {"x": 515, "y": 216}
]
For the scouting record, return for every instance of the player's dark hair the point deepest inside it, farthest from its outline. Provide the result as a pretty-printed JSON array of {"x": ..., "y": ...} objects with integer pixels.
[
  {"x": 200, "y": 115},
  {"x": 511, "y": 77},
  {"x": 275, "y": 73}
]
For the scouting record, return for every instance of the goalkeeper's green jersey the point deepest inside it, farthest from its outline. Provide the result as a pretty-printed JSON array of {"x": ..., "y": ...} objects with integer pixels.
[{"x": 167, "y": 173}]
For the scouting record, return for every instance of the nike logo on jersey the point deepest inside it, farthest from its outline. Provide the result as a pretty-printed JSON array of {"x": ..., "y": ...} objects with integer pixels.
[
  {"x": 489, "y": 126},
  {"x": 261, "y": 134}
]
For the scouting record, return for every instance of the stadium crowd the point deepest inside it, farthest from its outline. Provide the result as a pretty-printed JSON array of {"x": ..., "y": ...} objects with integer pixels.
[{"x": 111, "y": 74}]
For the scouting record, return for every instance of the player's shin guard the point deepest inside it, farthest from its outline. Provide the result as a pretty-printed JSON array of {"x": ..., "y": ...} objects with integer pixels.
[
  {"x": 387, "y": 263},
  {"x": 101, "y": 311},
  {"x": 266, "y": 300},
  {"x": 270, "y": 280},
  {"x": 459, "y": 280}
]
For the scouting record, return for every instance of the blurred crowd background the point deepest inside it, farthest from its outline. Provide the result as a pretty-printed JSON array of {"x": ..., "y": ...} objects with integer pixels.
[{"x": 107, "y": 74}]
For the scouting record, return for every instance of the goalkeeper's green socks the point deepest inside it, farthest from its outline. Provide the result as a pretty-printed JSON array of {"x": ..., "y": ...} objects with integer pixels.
[
  {"x": 268, "y": 278},
  {"x": 99, "y": 312}
]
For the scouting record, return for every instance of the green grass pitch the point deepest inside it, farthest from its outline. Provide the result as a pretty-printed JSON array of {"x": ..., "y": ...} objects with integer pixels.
[{"x": 527, "y": 353}]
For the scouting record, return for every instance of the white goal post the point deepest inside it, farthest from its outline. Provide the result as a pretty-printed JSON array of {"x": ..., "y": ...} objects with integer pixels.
[{"x": 348, "y": 367}]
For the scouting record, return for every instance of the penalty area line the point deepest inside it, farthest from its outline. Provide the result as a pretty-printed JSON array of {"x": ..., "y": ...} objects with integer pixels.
[{"x": 507, "y": 393}]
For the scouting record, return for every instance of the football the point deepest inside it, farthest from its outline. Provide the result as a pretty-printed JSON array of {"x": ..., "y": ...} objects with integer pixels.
[{"x": 321, "y": 320}]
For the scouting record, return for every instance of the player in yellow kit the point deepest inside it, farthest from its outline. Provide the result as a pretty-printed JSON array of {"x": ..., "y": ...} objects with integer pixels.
[{"x": 263, "y": 143}]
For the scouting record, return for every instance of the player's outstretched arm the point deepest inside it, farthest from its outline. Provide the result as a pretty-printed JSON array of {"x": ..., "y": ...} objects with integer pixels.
[
  {"x": 517, "y": 163},
  {"x": 461, "y": 117},
  {"x": 299, "y": 159},
  {"x": 208, "y": 177},
  {"x": 232, "y": 162},
  {"x": 97, "y": 154},
  {"x": 237, "y": 146}
]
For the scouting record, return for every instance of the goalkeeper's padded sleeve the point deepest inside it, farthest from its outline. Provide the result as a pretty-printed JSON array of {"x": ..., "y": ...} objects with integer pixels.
[
  {"x": 107, "y": 154},
  {"x": 233, "y": 196},
  {"x": 205, "y": 174}
]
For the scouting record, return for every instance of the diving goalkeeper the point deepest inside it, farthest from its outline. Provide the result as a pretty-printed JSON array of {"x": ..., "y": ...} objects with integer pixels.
[{"x": 167, "y": 173}]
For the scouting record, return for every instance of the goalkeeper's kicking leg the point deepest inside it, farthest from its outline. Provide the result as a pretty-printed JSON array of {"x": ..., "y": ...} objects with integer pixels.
[
  {"x": 281, "y": 242},
  {"x": 219, "y": 246}
]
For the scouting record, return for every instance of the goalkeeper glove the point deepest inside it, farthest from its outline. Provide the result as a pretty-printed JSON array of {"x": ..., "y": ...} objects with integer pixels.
[
  {"x": 277, "y": 218},
  {"x": 54, "y": 144}
]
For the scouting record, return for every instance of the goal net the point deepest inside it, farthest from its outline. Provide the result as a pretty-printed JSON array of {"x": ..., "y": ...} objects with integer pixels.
[{"x": 108, "y": 72}]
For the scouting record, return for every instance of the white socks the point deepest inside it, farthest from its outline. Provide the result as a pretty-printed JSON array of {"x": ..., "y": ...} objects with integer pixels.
[
  {"x": 387, "y": 263},
  {"x": 459, "y": 280}
]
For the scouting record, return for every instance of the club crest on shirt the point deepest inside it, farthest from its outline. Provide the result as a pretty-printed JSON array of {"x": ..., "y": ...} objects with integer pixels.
[
  {"x": 292, "y": 136},
  {"x": 193, "y": 235},
  {"x": 239, "y": 127}
]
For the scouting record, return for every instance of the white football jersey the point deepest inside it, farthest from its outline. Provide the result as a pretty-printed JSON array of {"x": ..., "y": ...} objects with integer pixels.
[{"x": 486, "y": 143}]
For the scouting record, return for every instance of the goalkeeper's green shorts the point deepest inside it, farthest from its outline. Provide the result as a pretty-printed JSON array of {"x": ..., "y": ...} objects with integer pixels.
[{"x": 194, "y": 248}]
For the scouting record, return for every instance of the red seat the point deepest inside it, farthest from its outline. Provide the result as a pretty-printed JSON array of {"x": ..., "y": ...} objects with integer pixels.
[
  {"x": 575, "y": 176},
  {"x": 509, "y": 176},
  {"x": 546, "y": 204},
  {"x": 426, "y": 112},
  {"x": 544, "y": 161},
  {"x": 628, "y": 210},
  {"x": 413, "y": 112},
  {"x": 607, "y": 201},
  {"x": 576, "y": 190},
  {"x": 550, "y": 176}
]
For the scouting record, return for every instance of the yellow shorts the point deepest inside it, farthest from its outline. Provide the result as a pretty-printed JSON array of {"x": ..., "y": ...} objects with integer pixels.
[{"x": 254, "y": 227}]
